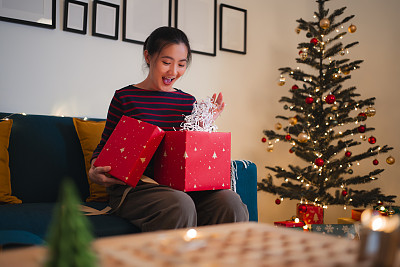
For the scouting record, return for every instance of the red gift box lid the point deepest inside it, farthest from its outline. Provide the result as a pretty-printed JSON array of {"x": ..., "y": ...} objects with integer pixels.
[{"x": 129, "y": 149}]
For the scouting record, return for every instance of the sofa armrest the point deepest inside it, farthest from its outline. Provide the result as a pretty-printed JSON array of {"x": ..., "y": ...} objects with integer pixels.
[{"x": 244, "y": 181}]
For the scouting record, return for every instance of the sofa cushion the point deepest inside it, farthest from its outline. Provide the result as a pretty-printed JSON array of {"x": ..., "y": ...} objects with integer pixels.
[
  {"x": 89, "y": 133},
  {"x": 35, "y": 218},
  {"x": 43, "y": 150},
  {"x": 5, "y": 183}
]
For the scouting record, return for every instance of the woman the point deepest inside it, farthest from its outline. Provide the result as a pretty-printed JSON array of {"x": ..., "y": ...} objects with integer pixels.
[{"x": 151, "y": 206}]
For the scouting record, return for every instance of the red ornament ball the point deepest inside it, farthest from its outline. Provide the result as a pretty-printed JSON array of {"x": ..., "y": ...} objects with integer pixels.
[
  {"x": 277, "y": 201},
  {"x": 319, "y": 162},
  {"x": 295, "y": 87},
  {"x": 330, "y": 99},
  {"x": 375, "y": 162},
  {"x": 288, "y": 137},
  {"x": 361, "y": 128},
  {"x": 372, "y": 140},
  {"x": 314, "y": 41},
  {"x": 264, "y": 140},
  {"x": 309, "y": 100},
  {"x": 344, "y": 193},
  {"x": 291, "y": 151},
  {"x": 347, "y": 154},
  {"x": 362, "y": 115},
  {"x": 301, "y": 51},
  {"x": 302, "y": 208}
]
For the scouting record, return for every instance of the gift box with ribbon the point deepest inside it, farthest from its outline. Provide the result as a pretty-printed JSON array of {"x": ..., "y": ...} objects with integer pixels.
[{"x": 197, "y": 157}]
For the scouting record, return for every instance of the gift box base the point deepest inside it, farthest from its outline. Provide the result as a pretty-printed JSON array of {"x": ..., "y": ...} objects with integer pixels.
[{"x": 194, "y": 161}]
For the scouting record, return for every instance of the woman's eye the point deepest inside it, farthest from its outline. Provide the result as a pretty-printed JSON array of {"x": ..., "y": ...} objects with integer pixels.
[
  {"x": 166, "y": 63},
  {"x": 182, "y": 65}
]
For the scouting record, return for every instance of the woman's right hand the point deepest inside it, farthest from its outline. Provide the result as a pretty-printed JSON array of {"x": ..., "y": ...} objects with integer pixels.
[{"x": 99, "y": 175}]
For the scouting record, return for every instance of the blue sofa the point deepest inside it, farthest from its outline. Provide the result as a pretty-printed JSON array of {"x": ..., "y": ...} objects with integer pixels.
[{"x": 45, "y": 149}]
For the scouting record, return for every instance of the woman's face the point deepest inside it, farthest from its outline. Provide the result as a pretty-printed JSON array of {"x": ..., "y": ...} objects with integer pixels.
[{"x": 166, "y": 67}]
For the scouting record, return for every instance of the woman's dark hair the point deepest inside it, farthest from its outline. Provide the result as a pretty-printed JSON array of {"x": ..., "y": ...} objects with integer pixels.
[{"x": 163, "y": 36}]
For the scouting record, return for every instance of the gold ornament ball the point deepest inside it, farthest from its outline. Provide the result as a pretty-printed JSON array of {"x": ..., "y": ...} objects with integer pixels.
[
  {"x": 352, "y": 28},
  {"x": 370, "y": 111},
  {"x": 293, "y": 121},
  {"x": 278, "y": 126},
  {"x": 302, "y": 137},
  {"x": 334, "y": 107},
  {"x": 346, "y": 71},
  {"x": 304, "y": 55},
  {"x": 281, "y": 81},
  {"x": 390, "y": 160},
  {"x": 297, "y": 30},
  {"x": 270, "y": 148},
  {"x": 324, "y": 23}
]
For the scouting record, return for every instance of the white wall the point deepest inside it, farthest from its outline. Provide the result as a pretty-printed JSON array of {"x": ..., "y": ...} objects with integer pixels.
[{"x": 55, "y": 72}]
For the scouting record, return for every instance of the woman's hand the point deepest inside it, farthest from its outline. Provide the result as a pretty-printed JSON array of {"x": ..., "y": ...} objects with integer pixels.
[
  {"x": 220, "y": 105},
  {"x": 99, "y": 175}
]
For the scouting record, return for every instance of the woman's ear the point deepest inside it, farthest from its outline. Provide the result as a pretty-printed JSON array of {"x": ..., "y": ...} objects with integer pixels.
[{"x": 146, "y": 57}]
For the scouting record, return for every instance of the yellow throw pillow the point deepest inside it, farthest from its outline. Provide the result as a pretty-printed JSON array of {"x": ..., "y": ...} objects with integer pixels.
[
  {"x": 5, "y": 182},
  {"x": 89, "y": 133}
]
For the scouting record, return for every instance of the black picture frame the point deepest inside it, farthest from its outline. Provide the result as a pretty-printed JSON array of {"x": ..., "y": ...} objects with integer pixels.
[
  {"x": 232, "y": 20},
  {"x": 39, "y": 14},
  {"x": 138, "y": 22},
  {"x": 201, "y": 14},
  {"x": 100, "y": 26},
  {"x": 75, "y": 16}
]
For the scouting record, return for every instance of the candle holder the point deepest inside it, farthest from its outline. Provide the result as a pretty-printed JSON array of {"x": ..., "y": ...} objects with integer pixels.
[{"x": 379, "y": 238}]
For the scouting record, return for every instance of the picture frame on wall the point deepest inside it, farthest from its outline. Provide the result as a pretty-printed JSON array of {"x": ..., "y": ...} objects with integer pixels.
[
  {"x": 105, "y": 20},
  {"x": 233, "y": 29},
  {"x": 141, "y": 17},
  {"x": 198, "y": 19},
  {"x": 39, "y": 13},
  {"x": 75, "y": 16}
]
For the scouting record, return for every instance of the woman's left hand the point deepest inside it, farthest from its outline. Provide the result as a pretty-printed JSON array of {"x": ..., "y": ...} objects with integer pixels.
[{"x": 220, "y": 105}]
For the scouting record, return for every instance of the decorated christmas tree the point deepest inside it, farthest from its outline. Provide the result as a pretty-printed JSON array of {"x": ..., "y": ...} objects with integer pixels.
[
  {"x": 328, "y": 126},
  {"x": 70, "y": 236}
]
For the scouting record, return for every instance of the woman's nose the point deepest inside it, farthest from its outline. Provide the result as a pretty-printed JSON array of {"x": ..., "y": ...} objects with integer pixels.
[{"x": 173, "y": 69}]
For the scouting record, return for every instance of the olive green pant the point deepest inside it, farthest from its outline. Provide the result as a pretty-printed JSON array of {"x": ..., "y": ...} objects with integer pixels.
[{"x": 154, "y": 207}]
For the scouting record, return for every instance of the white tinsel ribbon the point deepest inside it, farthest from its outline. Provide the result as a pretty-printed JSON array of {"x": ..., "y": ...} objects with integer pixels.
[{"x": 202, "y": 117}]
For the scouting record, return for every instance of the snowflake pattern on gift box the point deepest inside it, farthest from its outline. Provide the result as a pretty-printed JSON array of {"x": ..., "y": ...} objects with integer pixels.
[{"x": 329, "y": 228}]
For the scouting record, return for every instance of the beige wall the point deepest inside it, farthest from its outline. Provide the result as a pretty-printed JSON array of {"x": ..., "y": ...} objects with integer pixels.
[{"x": 55, "y": 72}]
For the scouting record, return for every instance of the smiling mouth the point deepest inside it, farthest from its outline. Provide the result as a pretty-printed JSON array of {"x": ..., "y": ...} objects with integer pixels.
[{"x": 167, "y": 81}]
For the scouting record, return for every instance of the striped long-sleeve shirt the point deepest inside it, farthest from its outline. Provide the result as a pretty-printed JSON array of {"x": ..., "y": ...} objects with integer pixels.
[{"x": 164, "y": 109}]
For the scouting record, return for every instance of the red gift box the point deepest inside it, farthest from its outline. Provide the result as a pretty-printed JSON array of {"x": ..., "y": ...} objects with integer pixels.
[
  {"x": 194, "y": 161},
  {"x": 129, "y": 149},
  {"x": 356, "y": 214},
  {"x": 289, "y": 224},
  {"x": 310, "y": 214}
]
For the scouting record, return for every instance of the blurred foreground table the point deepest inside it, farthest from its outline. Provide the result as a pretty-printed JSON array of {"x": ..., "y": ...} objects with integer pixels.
[{"x": 239, "y": 244}]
